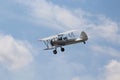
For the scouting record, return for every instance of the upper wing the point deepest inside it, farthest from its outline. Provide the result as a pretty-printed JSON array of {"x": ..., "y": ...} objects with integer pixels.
[
  {"x": 67, "y": 32},
  {"x": 48, "y": 38},
  {"x": 56, "y": 36}
]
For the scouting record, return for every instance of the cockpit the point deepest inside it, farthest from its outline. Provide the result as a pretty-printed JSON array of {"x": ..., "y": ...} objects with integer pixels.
[{"x": 62, "y": 37}]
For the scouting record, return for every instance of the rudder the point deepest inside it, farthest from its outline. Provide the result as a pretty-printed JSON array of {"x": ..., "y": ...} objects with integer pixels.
[{"x": 84, "y": 36}]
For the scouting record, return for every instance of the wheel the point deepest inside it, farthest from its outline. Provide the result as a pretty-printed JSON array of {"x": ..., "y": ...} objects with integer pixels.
[
  {"x": 55, "y": 52},
  {"x": 62, "y": 49},
  {"x": 84, "y": 42}
]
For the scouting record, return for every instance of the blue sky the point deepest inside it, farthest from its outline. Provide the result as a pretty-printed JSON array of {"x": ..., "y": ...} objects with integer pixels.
[{"x": 23, "y": 22}]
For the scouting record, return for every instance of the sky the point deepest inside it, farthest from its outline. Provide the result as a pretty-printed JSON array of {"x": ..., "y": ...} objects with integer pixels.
[{"x": 23, "y": 22}]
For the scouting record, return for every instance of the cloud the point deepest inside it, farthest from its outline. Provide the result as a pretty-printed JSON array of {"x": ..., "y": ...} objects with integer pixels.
[
  {"x": 105, "y": 50},
  {"x": 61, "y": 18},
  {"x": 106, "y": 29},
  {"x": 112, "y": 71},
  {"x": 14, "y": 54},
  {"x": 76, "y": 78},
  {"x": 52, "y": 15}
]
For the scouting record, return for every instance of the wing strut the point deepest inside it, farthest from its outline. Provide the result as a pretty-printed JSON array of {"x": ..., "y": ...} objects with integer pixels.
[
  {"x": 71, "y": 35},
  {"x": 46, "y": 43}
]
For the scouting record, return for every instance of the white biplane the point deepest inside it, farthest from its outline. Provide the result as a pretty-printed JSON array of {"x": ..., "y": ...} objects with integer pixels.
[{"x": 63, "y": 39}]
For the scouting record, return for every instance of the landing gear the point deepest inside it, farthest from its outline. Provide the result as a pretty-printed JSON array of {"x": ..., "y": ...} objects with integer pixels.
[
  {"x": 55, "y": 52},
  {"x": 84, "y": 42},
  {"x": 62, "y": 49}
]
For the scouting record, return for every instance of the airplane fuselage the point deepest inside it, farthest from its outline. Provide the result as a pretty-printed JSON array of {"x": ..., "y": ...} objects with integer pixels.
[{"x": 66, "y": 42}]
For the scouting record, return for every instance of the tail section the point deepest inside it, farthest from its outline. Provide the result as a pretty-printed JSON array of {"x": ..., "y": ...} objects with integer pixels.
[{"x": 84, "y": 36}]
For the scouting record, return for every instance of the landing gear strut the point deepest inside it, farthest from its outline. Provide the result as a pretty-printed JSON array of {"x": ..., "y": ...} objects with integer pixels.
[{"x": 62, "y": 49}]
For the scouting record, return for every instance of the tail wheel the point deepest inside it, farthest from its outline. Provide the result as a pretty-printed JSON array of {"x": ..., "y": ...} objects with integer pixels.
[
  {"x": 62, "y": 49},
  {"x": 55, "y": 52},
  {"x": 84, "y": 42}
]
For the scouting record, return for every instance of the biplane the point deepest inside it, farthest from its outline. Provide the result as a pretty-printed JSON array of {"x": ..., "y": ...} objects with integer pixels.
[{"x": 63, "y": 39}]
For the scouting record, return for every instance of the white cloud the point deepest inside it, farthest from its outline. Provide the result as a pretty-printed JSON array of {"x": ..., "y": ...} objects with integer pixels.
[
  {"x": 97, "y": 27},
  {"x": 76, "y": 78},
  {"x": 105, "y": 50},
  {"x": 59, "y": 17},
  {"x": 105, "y": 29},
  {"x": 14, "y": 54},
  {"x": 52, "y": 15},
  {"x": 112, "y": 71}
]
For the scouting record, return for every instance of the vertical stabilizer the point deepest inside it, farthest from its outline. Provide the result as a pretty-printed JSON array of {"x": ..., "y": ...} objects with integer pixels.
[{"x": 84, "y": 36}]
